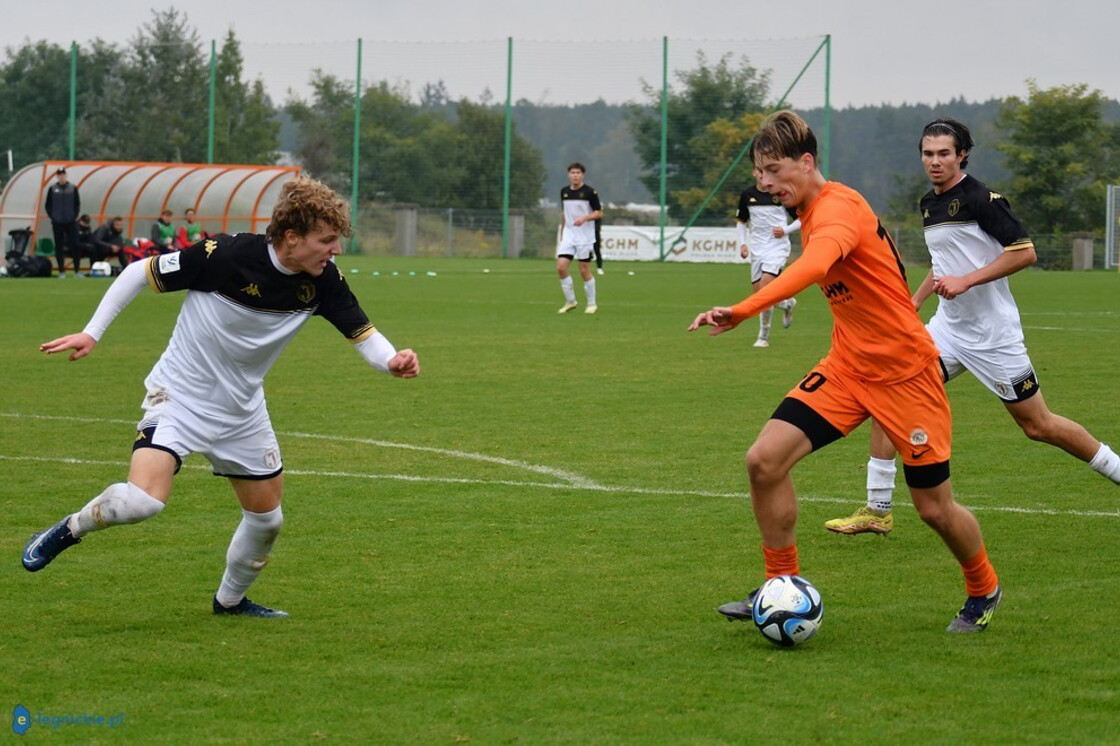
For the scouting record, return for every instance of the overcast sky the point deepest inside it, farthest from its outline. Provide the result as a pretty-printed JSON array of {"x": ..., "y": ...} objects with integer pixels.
[{"x": 889, "y": 51}]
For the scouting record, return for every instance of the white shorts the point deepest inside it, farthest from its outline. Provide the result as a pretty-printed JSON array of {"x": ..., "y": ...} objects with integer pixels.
[
  {"x": 244, "y": 447},
  {"x": 581, "y": 251},
  {"x": 1006, "y": 371},
  {"x": 771, "y": 263}
]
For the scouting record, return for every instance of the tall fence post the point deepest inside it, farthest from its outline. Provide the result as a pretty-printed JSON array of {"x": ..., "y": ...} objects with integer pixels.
[
  {"x": 509, "y": 144},
  {"x": 663, "y": 189},
  {"x": 827, "y": 105},
  {"x": 355, "y": 162},
  {"x": 73, "y": 94},
  {"x": 213, "y": 86}
]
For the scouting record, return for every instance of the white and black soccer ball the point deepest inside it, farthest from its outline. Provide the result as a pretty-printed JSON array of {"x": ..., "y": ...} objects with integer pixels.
[{"x": 787, "y": 610}]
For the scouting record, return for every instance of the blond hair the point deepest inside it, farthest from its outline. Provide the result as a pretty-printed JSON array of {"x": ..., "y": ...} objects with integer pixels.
[
  {"x": 305, "y": 205},
  {"x": 784, "y": 135}
]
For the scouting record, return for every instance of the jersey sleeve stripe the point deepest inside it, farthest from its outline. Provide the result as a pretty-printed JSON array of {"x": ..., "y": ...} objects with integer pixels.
[
  {"x": 362, "y": 333},
  {"x": 1021, "y": 244},
  {"x": 154, "y": 279}
]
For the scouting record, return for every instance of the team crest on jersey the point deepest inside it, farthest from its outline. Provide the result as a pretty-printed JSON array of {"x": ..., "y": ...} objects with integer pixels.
[
  {"x": 210, "y": 246},
  {"x": 775, "y": 200},
  {"x": 169, "y": 263},
  {"x": 305, "y": 292},
  {"x": 954, "y": 207}
]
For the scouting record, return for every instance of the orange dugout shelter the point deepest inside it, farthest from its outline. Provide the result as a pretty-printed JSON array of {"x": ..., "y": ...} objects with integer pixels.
[{"x": 226, "y": 198}]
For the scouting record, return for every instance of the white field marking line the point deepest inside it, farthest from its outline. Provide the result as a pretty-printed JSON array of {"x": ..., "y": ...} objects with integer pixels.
[
  {"x": 1069, "y": 329},
  {"x": 569, "y": 477},
  {"x": 585, "y": 487}
]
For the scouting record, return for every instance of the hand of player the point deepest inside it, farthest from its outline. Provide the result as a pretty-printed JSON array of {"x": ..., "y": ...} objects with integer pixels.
[
  {"x": 778, "y": 231},
  {"x": 81, "y": 343},
  {"x": 405, "y": 364},
  {"x": 719, "y": 318},
  {"x": 579, "y": 221},
  {"x": 949, "y": 287}
]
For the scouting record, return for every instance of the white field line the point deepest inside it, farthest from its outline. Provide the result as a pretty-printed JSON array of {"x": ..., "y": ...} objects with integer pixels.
[
  {"x": 590, "y": 487},
  {"x": 568, "y": 477}
]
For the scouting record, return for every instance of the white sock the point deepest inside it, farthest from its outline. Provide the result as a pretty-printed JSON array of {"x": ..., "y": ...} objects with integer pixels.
[
  {"x": 1107, "y": 463},
  {"x": 589, "y": 288},
  {"x": 248, "y": 553},
  {"x": 764, "y": 323},
  {"x": 119, "y": 503},
  {"x": 569, "y": 289},
  {"x": 784, "y": 305},
  {"x": 880, "y": 483}
]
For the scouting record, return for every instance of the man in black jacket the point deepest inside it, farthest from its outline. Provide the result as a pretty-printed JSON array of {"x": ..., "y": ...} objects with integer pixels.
[{"x": 63, "y": 207}]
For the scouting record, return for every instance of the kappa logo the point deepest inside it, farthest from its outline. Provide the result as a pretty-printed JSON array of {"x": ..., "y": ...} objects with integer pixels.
[
  {"x": 926, "y": 214},
  {"x": 210, "y": 247},
  {"x": 252, "y": 289},
  {"x": 993, "y": 196}
]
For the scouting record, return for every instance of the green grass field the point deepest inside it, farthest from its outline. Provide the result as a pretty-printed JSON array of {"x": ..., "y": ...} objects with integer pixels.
[{"x": 528, "y": 542}]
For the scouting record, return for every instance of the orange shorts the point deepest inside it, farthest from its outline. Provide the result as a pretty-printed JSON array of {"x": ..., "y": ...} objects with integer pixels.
[{"x": 914, "y": 413}]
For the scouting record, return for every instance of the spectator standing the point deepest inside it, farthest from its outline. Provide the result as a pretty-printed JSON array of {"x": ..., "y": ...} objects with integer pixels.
[{"x": 63, "y": 207}]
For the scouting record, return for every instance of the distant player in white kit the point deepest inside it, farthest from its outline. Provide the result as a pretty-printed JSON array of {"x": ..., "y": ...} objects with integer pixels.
[
  {"x": 767, "y": 248},
  {"x": 580, "y": 208},
  {"x": 247, "y": 297},
  {"x": 975, "y": 241}
]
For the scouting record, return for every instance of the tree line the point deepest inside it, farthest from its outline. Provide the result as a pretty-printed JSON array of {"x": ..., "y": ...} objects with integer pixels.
[{"x": 1052, "y": 152}]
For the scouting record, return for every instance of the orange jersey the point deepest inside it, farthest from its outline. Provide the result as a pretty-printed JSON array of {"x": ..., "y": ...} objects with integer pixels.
[{"x": 876, "y": 333}]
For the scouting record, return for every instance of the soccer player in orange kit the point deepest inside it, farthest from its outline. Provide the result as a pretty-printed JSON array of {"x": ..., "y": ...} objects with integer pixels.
[{"x": 882, "y": 364}]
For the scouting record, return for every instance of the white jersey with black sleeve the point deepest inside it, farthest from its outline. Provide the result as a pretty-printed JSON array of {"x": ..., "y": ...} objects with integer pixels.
[
  {"x": 764, "y": 212},
  {"x": 241, "y": 310},
  {"x": 968, "y": 227}
]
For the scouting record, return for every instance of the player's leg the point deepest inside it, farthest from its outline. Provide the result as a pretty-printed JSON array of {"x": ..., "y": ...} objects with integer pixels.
[
  {"x": 563, "y": 262},
  {"x": 759, "y": 280},
  {"x": 140, "y": 498},
  {"x": 809, "y": 418},
  {"x": 251, "y": 546},
  {"x": 876, "y": 516},
  {"x": 248, "y": 454},
  {"x": 588, "y": 281},
  {"x": 915, "y": 415},
  {"x": 1039, "y": 423}
]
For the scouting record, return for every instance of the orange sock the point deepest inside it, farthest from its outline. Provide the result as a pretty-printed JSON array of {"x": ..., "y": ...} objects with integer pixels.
[
  {"x": 979, "y": 575},
  {"x": 781, "y": 561}
]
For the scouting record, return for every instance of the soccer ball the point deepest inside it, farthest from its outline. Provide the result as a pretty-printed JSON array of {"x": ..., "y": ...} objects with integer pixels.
[{"x": 787, "y": 610}]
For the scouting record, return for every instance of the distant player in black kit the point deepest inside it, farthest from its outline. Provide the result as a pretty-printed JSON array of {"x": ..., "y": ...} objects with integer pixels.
[
  {"x": 767, "y": 248},
  {"x": 581, "y": 211},
  {"x": 247, "y": 296}
]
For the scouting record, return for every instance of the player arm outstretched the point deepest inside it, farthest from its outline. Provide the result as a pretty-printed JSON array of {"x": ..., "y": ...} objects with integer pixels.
[{"x": 123, "y": 291}]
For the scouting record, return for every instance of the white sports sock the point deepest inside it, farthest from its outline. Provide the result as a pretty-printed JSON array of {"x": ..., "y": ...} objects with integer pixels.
[
  {"x": 764, "y": 323},
  {"x": 784, "y": 304},
  {"x": 1107, "y": 463},
  {"x": 880, "y": 483},
  {"x": 119, "y": 503},
  {"x": 569, "y": 289},
  {"x": 589, "y": 288},
  {"x": 248, "y": 553}
]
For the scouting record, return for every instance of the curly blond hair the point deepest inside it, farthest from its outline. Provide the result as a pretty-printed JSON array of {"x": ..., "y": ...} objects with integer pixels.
[{"x": 305, "y": 205}]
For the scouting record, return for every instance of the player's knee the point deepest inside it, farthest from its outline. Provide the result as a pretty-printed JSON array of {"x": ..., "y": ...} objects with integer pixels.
[
  {"x": 1036, "y": 428},
  {"x": 268, "y": 524},
  {"x": 764, "y": 465}
]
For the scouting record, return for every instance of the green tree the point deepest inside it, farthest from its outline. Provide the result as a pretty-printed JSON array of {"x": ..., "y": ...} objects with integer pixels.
[
  {"x": 1060, "y": 153},
  {"x": 706, "y": 94},
  {"x": 481, "y": 146},
  {"x": 35, "y": 99},
  {"x": 245, "y": 126}
]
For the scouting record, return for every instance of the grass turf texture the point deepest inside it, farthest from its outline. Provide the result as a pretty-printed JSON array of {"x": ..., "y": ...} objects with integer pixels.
[{"x": 564, "y": 588}]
